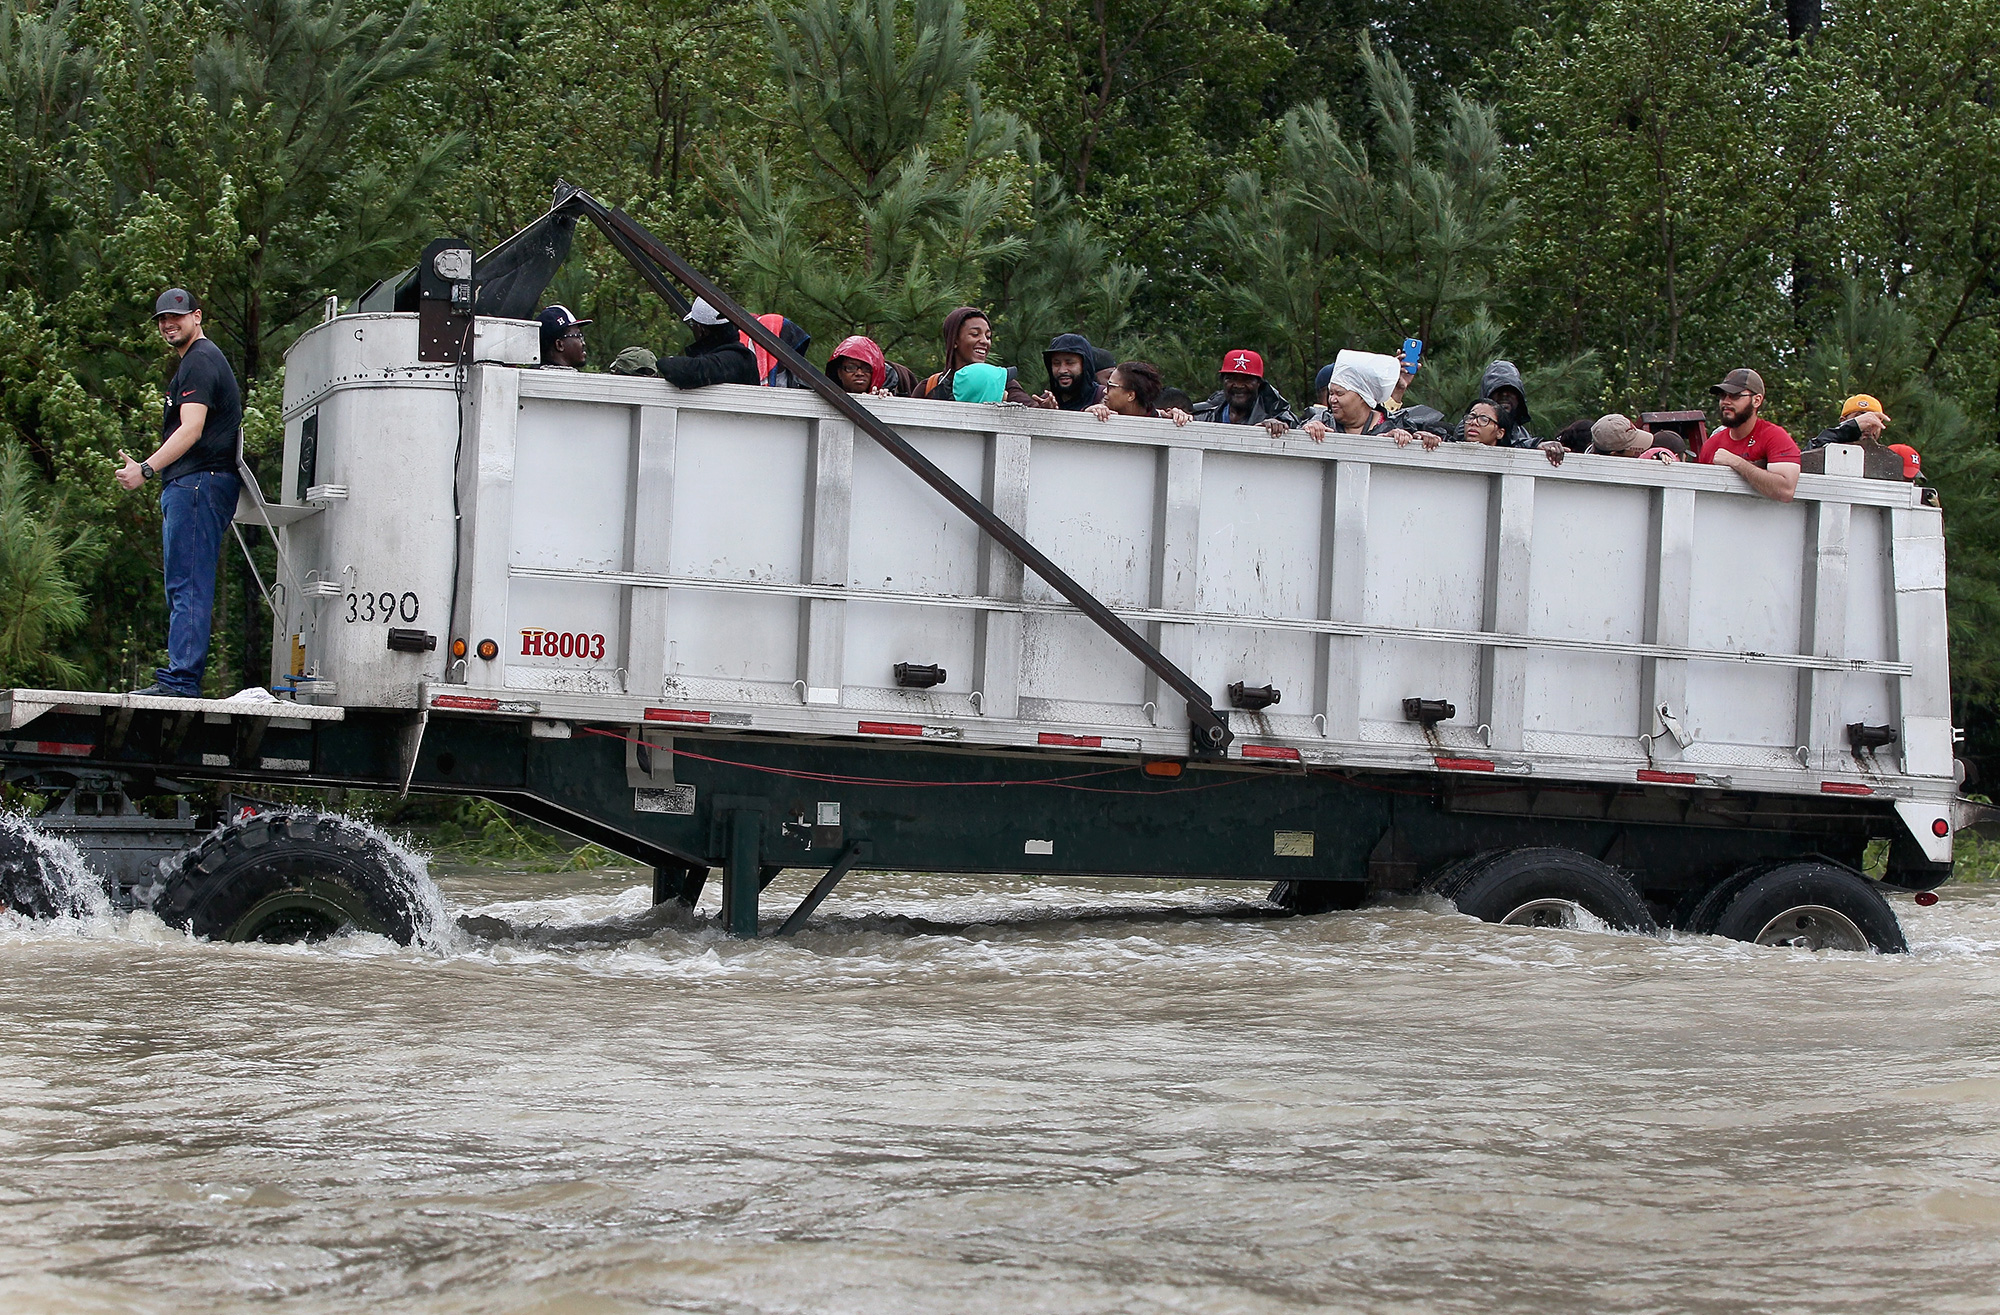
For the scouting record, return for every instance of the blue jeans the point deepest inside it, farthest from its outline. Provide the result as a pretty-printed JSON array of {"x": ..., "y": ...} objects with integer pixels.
[{"x": 195, "y": 511}]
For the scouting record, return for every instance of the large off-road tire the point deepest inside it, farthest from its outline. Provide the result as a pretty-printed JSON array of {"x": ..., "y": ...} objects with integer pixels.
[
  {"x": 1812, "y": 904},
  {"x": 293, "y": 876},
  {"x": 1543, "y": 887},
  {"x": 43, "y": 877}
]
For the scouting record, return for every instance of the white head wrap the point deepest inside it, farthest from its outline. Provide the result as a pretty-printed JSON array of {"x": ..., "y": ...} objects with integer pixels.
[{"x": 1370, "y": 374}]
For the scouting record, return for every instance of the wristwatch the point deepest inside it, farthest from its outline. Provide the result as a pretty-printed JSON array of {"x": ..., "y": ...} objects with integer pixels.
[{"x": 146, "y": 471}]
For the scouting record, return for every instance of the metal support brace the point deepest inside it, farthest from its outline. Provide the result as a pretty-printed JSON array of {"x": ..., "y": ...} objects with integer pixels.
[
  {"x": 740, "y": 873},
  {"x": 650, "y": 256},
  {"x": 856, "y": 850}
]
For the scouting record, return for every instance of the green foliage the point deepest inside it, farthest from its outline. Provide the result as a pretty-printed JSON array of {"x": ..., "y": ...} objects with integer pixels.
[
  {"x": 1625, "y": 197},
  {"x": 1344, "y": 246},
  {"x": 40, "y": 603}
]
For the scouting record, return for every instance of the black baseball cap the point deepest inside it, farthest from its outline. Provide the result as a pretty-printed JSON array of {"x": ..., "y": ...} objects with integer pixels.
[
  {"x": 175, "y": 301},
  {"x": 556, "y": 321}
]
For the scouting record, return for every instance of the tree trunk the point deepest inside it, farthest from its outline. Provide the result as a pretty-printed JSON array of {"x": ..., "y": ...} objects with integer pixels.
[{"x": 1802, "y": 19}]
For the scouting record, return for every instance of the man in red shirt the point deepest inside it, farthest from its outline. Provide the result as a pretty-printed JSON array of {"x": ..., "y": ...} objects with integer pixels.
[{"x": 1762, "y": 453}]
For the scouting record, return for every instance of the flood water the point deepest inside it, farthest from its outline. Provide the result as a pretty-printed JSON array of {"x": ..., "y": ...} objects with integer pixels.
[{"x": 996, "y": 1096}]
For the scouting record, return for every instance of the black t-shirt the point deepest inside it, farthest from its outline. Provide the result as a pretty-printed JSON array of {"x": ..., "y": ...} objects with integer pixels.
[{"x": 204, "y": 376}]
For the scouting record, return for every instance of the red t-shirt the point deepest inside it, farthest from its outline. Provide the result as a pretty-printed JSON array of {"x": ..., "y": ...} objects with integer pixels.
[{"x": 1767, "y": 443}]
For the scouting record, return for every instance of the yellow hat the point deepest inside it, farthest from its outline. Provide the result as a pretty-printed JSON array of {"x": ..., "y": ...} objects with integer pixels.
[{"x": 1858, "y": 403}]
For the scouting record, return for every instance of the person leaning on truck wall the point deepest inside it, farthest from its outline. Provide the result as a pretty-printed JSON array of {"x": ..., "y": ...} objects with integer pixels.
[
  {"x": 1246, "y": 397},
  {"x": 636, "y": 361},
  {"x": 968, "y": 340},
  {"x": 562, "y": 339},
  {"x": 1072, "y": 368},
  {"x": 1621, "y": 436},
  {"x": 1482, "y": 425},
  {"x": 979, "y": 382},
  {"x": 859, "y": 366},
  {"x": 771, "y": 372},
  {"x": 716, "y": 356},
  {"x": 1759, "y": 451},
  {"x": 196, "y": 464},
  {"x": 1134, "y": 390},
  {"x": 1861, "y": 417},
  {"x": 1358, "y": 388}
]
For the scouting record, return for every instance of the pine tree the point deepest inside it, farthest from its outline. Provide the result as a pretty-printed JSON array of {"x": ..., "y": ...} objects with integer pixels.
[{"x": 1348, "y": 246}]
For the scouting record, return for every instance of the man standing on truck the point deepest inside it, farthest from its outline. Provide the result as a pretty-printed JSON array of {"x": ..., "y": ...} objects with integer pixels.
[
  {"x": 1759, "y": 451},
  {"x": 196, "y": 466}
]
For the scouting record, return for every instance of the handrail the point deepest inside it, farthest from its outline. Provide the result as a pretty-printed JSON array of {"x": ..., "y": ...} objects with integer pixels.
[{"x": 1211, "y": 735}]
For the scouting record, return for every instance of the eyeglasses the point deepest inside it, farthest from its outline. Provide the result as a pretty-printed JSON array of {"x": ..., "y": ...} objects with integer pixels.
[
  {"x": 1480, "y": 418},
  {"x": 1117, "y": 388}
]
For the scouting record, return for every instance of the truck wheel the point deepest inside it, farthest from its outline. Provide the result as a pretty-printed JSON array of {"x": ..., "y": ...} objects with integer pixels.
[
  {"x": 1699, "y": 911},
  {"x": 42, "y": 877},
  {"x": 285, "y": 876},
  {"x": 1543, "y": 887},
  {"x": 1813, "y": 905}
]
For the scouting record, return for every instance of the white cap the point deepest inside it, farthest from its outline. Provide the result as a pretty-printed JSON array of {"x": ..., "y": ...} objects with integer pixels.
[{"x": 703, "y": 313}]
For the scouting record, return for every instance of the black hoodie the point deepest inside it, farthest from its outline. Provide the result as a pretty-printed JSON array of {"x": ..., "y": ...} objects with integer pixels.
[
  {"x": 1502, "y": 374},
  {"x": 1087, "y": 391},
  {"x": 716, "y": 356}
]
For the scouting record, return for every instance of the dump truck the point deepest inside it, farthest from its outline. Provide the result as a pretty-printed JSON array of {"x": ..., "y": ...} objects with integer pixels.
[{"x": 757, "y": 631}]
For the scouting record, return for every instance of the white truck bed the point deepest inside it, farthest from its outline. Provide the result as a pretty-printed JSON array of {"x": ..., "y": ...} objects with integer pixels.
[{"x": 739, "y": 557}]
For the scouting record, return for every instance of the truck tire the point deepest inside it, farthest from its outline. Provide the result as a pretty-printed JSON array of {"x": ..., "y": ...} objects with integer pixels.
[
  {"x": 41, "y": 877},
  {"x": 1813, "y": 904},
  {"x": 293, "y": 876},
  {"x": 1543, "y": 887},
  {"x": 1309, "y": 898},
  {"x": 1699, "y": 911}
]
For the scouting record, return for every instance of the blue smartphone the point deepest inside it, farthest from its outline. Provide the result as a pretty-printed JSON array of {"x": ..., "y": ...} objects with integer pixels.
[{"x": 1413, "y": 354}]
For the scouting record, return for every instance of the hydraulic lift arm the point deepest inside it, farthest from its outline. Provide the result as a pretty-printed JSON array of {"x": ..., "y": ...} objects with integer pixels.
[{"x": 654, "y": 261}]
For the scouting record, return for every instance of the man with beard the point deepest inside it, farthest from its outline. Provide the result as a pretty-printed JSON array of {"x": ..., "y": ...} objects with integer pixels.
[
  {"x": 1072, "y": 366},
  {"x": 196, "y": 465},
  {"x": 1759, "y": 451},
  {"x": 1246, "y": 398}
]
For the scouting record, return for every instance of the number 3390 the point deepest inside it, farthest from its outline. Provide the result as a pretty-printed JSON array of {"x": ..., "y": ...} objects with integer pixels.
[{"x": 385, "y": 606}]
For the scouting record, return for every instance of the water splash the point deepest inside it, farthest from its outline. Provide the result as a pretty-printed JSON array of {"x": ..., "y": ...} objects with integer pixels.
[{"x": 45, "y": 876}]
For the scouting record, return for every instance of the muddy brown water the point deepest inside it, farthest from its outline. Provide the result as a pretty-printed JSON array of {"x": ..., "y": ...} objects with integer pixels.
[{"x": 996, "y": 1096}]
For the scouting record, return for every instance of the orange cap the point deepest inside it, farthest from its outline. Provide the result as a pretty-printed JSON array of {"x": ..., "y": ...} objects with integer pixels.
[{"x": 1858, "y": 403}]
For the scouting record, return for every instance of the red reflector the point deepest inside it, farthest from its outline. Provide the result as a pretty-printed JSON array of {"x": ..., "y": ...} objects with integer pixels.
[
  {"x": 1164, "y": 767},
  {"x": 888, "y": 728},
  {"x": 1464, "y": 765},
  {"x": 465, "y": 701},
  {"x": 1667, "y": 778},
  {"x": 1071, "y": 741},
  {"x": 1277, "y": 751},
  {"x": 1940, "y": 828},
  {"x": 1926, "y": 897},
  {"x": 686, "y": 716},
  {"x": 1845, "y": 787}
]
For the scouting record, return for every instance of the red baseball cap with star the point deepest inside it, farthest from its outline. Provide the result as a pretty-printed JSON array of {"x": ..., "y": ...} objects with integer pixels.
[{"x": 1241, "y": 361}]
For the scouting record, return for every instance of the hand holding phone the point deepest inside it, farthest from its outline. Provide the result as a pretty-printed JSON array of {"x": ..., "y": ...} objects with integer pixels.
[{"x": 1413, "y": 354}]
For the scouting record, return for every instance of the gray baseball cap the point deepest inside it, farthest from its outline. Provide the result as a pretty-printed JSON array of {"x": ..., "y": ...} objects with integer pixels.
[{"x": 175, "y": 301}]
